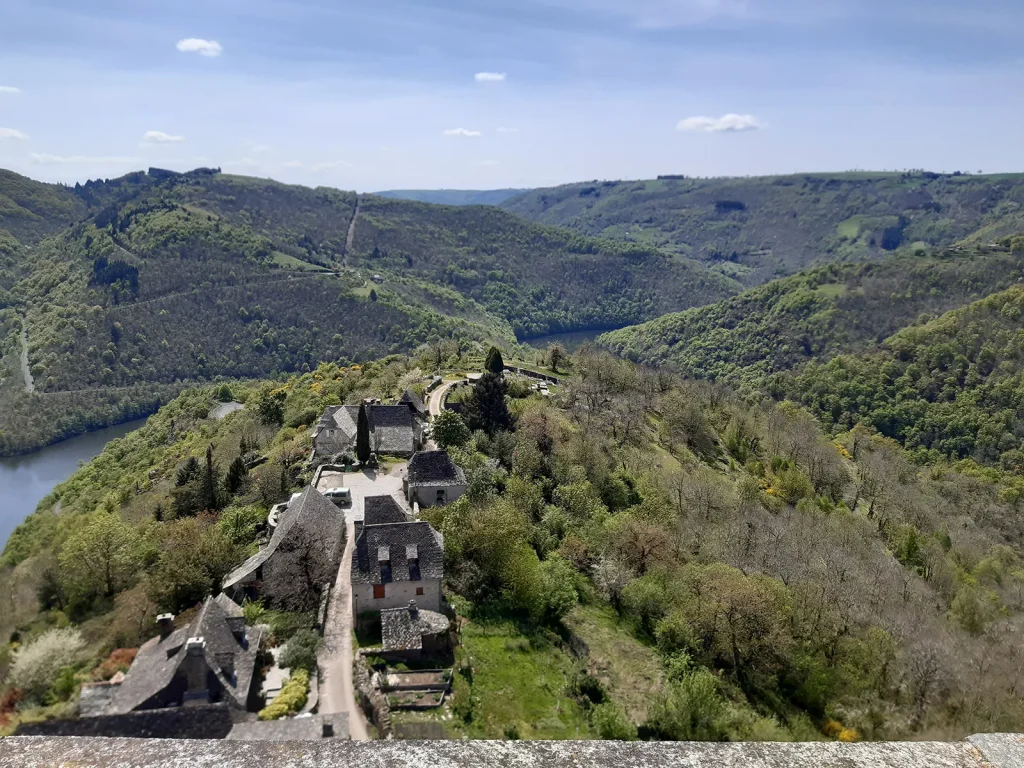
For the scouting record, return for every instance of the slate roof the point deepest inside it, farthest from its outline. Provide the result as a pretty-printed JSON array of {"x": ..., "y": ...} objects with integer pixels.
[
  {"x": 379, "y": 510},
  {"x": 434, "y": 468},
  {"x": 414, "y": 402},
  {"x": 396, "y": 538},
  {"x": 311, "y": 513},
  {"x": 391, "y": 426},
  {"x": 402, "y": 629},
  {"x": 159, "y": 658}
]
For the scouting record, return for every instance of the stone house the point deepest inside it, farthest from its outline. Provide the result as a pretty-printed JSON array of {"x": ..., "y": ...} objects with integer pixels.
[
  {"x": 395, "y": 430},
  {"x": 301, "y": 560},
  {"x": 212, "y": 659},
  {"x": 412, "y": 632},
  {"x": 434, "y": 479},
  {"x": 393, "y": 563}
]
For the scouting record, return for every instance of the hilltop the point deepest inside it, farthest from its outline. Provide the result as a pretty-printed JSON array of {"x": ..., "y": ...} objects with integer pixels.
[
  {"x": 120, "y": 293},
  {"x": 760, "y": 228},
  {"x": 453, "y": 196}
]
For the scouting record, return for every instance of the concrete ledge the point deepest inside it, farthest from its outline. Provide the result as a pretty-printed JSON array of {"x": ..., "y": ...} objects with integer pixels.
[{"x": 985, "y": 751}]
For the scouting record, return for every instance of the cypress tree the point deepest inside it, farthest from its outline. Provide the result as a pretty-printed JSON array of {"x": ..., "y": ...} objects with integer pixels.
[
  {"x": 236, "y": 475},
  {"x": 495, "y": 363},
  {"x": 363, "y": 435}
]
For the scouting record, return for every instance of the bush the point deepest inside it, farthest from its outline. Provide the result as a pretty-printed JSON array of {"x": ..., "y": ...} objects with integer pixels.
[
  {"x": 611, "y": 723},
  {"x": 36, "y": 666},
  {"x": 587, "y": 689},
  {"x": 688, "y": 711},
  {"x": 119, "y": 660},
  {"x": 290, "y": 700},
  {"x": 300, "y": 653}
]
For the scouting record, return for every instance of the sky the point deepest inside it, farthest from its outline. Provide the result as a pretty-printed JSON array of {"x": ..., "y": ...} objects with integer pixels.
[{"x": 485, "y": 94}]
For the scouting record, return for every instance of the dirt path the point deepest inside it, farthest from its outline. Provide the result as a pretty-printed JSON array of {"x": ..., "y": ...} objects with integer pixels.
[
  {"x": 351, "y": 231},
  {"x": 30, "y": 385},
  {"x": 337, "y": 693}
]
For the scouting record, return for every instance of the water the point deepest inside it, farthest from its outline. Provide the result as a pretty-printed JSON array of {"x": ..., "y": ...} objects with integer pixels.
[
  {"x": 572, "y": 340},
  {"x": 26, "y": 480}
]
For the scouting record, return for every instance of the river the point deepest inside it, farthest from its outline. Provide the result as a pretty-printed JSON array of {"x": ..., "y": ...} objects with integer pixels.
[
  {"x": 572, "y": 340},
  {"x": 26, "y": 480}
]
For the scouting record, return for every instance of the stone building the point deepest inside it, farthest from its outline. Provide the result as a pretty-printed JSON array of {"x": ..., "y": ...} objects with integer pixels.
[
  {"x": 434, "y": 479},
  {"x": 393, "y": 563}
]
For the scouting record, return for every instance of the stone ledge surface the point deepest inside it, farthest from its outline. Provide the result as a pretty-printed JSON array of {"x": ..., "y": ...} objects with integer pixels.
[{"x": 983, "y": 751}]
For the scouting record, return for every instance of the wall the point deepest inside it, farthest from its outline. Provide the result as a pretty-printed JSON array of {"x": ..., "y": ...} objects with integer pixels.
[
  {"x": 427, "y": 495},
  {"x": 397, "y": 594},
  {"x": 199, "y": 722}
]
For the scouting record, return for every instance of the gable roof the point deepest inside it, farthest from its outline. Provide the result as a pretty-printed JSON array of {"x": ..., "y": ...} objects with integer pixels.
[
  {"x": 396, "y": 539},
  {"x": 435, "y": 468},
  {"x": 159, "y": 658},
  {"x": 311, "y": 513},
  {"x": 391, "y": 426},
  {"x": 414, "y": 402},
  {"x": 379, "y": 510}
]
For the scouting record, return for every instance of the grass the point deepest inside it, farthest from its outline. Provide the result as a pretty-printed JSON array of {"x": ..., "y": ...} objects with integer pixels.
[
  {"x": 517, "y": 682},
  {"x": 629, "y": 670},
  {"x": 831, "y": 290},
  {"x": 850, "y": 228},
  {"x": 290, "y": 262}
]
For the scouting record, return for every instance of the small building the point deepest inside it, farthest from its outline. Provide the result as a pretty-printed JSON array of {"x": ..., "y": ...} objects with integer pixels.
[
  {"x": 393, "y": 563},
  {"x": 210, "y": 660},
  {"x": 412, "y": 632},
  {"x": 395, "y": 430},
  {"x": 414, "y": 403},
  {"x": 434, "y": 479},
  {"x": 301, "y": 560}
]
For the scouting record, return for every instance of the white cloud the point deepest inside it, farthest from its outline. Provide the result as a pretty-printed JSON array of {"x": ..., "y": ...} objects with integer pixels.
[
  {"x": 504, "y": 129},
  {"x": 200, "y": 46},
  {"x": 490, "y": 77},
  {"x": 9, "y": 89},
  {"x": 11, "y": 133},
  {"x": 43, "y": 159},
  {"x": 730, "y": 123},
  {"x": 159, "y": 137},
  {"x": 463, "y": 132}
]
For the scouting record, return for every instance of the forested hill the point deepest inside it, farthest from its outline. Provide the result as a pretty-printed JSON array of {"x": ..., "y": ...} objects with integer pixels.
[
  {"x": 164, "y": 279},
  {"x": 453, "y": 196},
  {"x": 813, "y": 315},
  {"x": 762, "y": 228}
]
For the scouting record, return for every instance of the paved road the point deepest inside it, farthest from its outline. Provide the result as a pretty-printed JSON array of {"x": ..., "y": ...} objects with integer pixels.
[
  {"x": 25, "y": 371},
  {"x": 436, "y": 401},
  {"x": 337, "y": 692}
]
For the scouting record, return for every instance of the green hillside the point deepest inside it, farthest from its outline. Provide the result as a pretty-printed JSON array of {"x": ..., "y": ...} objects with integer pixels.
[
  {"x": 166, "y": 279},
  {"x": 453, "y": 196},
  {"x": 766, "y": 227},
  {"x": 815, "y": 314}
]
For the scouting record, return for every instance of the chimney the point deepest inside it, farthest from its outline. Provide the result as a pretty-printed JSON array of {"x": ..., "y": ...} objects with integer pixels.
[
  {"x": 414, "y": 611},
  {"x": 165, "y": 623},
  {"x": 194, "y": 665}
]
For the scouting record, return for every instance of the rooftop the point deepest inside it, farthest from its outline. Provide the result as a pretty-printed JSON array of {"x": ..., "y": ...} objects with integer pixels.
[
  {"x": 982, "y": 751},
  {"x": 383, "y": 553},
  {"x": 402, "y": 629},
  {"x": 379, "y": 510},
  {"x": 435, "y": 468}
]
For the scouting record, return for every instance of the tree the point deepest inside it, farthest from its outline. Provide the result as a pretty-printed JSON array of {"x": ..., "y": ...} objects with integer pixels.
[
  {"x": 236, "y": 475},
  {"x": 102, "y": 557},
  {"x": 373, "y": 295},
  {"x": 300, "y": 652},
  {"x": 35, "y": 666},
  {"x": 556, "y": 356},
  {"x": 196, "y": 556},
  {"x": 494, "y": 363},
  {"x": 211, "y": 496},
  {"x": 450, "y": 430},
  {"x": 363, "y": 435},
  {"x": 487, "y": 409}
]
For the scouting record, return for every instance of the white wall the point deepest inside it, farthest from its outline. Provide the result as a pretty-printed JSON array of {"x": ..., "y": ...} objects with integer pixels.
[
  {"x": 396, "y": 595},
  {"x": 427, "y": 495}
]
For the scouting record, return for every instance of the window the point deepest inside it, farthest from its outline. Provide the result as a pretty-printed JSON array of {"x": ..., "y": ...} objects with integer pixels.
[
  {"x": 378, "y": 591},
  {"x": 419, "y": 590}
]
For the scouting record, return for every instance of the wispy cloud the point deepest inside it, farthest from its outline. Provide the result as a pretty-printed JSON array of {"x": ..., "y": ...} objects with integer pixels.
[
  {"x": 9, "y": 89},
  {"x": 730, "y": 123},
  {"x": 463, "y": 132},
  {"x": 11, "y": 133},
  {"x": 490, "y": 77},
  {"x": 200, "y": 46},
  {"x": 44, "y": 159},
  {"x": 159, "y": 137}
]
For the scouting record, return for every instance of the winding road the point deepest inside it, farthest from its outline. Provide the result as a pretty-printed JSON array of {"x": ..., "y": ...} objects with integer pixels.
[
  {"x": 30, "y": 385},
  {"x": 436, "y": 401}
]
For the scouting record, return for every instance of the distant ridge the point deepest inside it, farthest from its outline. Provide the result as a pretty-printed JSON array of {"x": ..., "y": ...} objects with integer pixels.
[{"x": 453, "y": 196}]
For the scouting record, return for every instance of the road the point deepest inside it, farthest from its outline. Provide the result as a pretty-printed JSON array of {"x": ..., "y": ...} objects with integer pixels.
[
  {"x": 25, "y": 371},
  {"x": 351, "y": 238},
  {"x": 337, "y": 691},
  {"x": 436, "y": 401}
]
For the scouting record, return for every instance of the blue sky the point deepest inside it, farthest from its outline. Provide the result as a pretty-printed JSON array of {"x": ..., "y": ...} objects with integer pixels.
[{"x": 492, "y": 93}]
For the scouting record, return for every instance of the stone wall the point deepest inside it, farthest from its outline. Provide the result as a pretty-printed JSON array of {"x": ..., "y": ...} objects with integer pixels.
[{"x": 200, "y": 722}]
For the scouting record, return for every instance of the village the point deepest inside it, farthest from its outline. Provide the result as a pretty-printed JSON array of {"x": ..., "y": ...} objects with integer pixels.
[{"x": 351, "y": 546}]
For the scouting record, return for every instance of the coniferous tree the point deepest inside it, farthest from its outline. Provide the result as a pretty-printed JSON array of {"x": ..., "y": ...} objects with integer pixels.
[
  {"x": 494, "y": 363},
  {"x": 236, "y": 475},
  {"x": 487, "y": 409},
  {"x": 210, "y": 497},
  {"x": 363, "y": 435}
]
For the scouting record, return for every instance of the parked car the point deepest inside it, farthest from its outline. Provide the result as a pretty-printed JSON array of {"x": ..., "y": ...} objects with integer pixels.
[{"x": 339, "y": 495}]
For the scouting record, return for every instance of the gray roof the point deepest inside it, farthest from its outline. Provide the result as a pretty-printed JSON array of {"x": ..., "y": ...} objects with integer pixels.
[
  {"x": 982, "y": 751},
  {"x": 435, "y": 468},
  {"x": 414, "y": 402},
  {"x": 396, "y": 539},
  {"x": 159, "y": 658},
  {"x": 311, "y": 513},
  {"x": 378, "y": 510},
  {"x": 403, "y": 629},
  {"x": 391, "y": 426}
]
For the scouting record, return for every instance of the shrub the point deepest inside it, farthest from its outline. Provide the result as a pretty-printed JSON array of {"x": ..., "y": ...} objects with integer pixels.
[
  {"x": 688, "y": 711},
  {"x": 849, "y": 735},
  {"x": 119, "y": 660},
  {"x": 587, "y": 689},
  {"x": 300, "y": 653},
  {"x": 290, "y": 700},
  {"x": 35, "y": 667},
  {"x": 611, "y": 723}
]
